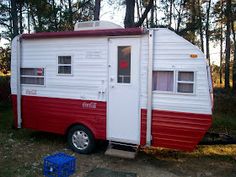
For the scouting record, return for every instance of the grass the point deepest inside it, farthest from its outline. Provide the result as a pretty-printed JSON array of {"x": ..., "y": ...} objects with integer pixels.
[
  {"x": 224, "y": 114},
  {"x": 22, "y": 150},
  {"x": 224, "y": 123}
]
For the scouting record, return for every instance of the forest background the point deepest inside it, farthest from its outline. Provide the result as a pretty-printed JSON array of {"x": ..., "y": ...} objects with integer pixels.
[{"x": 209, "y": 24}]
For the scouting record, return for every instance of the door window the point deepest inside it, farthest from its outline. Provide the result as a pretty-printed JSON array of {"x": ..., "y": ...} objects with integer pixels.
[{"x": 124, "y": 64}]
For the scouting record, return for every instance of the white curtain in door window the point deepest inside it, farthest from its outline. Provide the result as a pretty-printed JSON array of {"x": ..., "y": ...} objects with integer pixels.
[{"x": 163, "y": 80}]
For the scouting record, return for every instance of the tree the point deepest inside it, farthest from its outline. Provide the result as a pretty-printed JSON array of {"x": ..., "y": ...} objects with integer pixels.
[
  {"x": 227, "y": 43},
  {"x": 145, "y": 13},
  {"x": 70, "y": 15},
  {"x": 14, "y": 18},
  {"x": 200, "y": 22},
  {"x": 234, "y": 60},
  {"x": 207, "y": 31},
  {"x": 5, "y": 60},
  {"x": 97, "y": 9},
  {"x": 218, "y": 32},
  {"x": 233, "y": 20},
  {"x": 129, "y": 13}
]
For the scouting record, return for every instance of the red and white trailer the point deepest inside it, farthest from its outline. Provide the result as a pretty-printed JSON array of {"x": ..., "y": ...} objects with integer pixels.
[{"x": 135, "y": 86}]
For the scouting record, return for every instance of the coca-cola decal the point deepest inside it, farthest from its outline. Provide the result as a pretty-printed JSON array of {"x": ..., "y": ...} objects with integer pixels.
[
  {"x": 31, "y": 92},
  {"x": 89, "y": 105}
]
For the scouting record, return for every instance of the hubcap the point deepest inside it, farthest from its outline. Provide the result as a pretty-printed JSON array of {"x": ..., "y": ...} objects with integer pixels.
[{"x": 80, "y": 140}]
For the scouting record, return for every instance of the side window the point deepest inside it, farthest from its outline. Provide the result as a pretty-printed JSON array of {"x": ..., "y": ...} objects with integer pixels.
[
  {"x": 185, "y": 82},
  {"x": 64, "y": 65},
  {"x": 124, "y": 64},
  {"x": 163, "y": 81},
  {"x": 32, "y": 76}
]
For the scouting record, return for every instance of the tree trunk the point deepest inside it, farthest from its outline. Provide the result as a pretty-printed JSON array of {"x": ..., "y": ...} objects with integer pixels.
[
  {"x": 70, "y": 14},
  {"x": 14, "y": 18},
  {"x": 21, "y": 17},
  {"x": 145, "y": 13},
  {"x": 200, "y": 26},
  {"x": 129, "y": 14},
  {"x": 152, "y": 17},
  {"x": 97, "y": 9},
  {"x": 179, "y": 16},
  {"x": 227, "y": 46},
  {"x": 234, "y": 60},
  {"x": 28, "y": 16},
  {"x": 155, "y": 12},
  {"x": 137, "y": 8},
  {"x": 171, "y": 7},
  {"x": 55, "y": 15},
  {"x": 207, "y": 32},
  {"x": 221, "y": 40},
  {"x": 221, "y": 51}
]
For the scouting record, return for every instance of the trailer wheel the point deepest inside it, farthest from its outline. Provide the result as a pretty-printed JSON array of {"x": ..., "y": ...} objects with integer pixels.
[{"x": 81, "y": 139}]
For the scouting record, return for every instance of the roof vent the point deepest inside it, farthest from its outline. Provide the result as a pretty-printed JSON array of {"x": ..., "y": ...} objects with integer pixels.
[{"x": 95, "y": 25}]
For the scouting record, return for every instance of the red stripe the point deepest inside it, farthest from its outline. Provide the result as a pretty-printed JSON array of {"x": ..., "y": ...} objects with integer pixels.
[
  {"x": 85, "y": 33},
  {"x": 57, "y": 115},
  {"x": 175, "y": 130}
]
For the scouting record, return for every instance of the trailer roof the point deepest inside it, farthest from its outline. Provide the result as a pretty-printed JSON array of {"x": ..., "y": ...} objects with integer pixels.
[{"x": 85, "y": 33}]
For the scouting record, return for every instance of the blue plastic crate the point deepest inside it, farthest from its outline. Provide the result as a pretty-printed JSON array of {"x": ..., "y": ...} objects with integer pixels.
[{"x": 59, "y": 165}]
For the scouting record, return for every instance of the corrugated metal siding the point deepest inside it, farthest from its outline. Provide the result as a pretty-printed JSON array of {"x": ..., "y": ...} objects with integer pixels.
[
  {"x": 175, "y": 130},
  {"x": 89, "y": 67},
  {"x": 56, "y": 114},
  {"x": 172, "y": 52}
]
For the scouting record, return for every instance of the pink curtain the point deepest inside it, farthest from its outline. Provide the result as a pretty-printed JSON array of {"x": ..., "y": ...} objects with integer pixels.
[{"x": 163, "y": 80}]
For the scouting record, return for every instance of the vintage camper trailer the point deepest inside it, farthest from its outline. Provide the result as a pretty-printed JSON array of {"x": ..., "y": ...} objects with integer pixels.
[{"x": 147, "y": 87}]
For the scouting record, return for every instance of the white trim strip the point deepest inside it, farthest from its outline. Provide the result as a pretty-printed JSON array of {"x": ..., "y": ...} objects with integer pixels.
[
  {"x": 18, "y": 58},
  {"x": 149, "y": 91}
]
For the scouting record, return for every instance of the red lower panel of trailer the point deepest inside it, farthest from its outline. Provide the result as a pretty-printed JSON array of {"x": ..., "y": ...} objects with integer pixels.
[
  {"x": 174, "y": 130},
  {"x": 57, "y": 115}
]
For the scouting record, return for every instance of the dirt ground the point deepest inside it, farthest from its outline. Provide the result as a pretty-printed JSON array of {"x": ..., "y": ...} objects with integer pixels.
[{"x": 22, "y": 156}]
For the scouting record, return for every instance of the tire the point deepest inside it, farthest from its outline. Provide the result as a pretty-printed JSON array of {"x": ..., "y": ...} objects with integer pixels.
[{"x": 80, "y": 139}]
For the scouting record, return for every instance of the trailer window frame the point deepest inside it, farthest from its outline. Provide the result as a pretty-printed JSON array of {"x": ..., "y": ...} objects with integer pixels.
[
  {"x": 33, "y": 76},
  {"x": 175, "y": 81},
  {"x": 64, "y": 64},
  {"x": 193, "y": 82}
]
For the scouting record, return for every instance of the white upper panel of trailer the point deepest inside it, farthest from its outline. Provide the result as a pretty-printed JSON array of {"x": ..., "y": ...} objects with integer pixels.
[
  {"x": 90, "y": 69},
  {"x": 172, "y": 53}
]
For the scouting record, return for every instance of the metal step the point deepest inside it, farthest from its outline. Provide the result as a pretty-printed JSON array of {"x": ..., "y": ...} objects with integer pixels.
[{"x": 122, "y": 150}]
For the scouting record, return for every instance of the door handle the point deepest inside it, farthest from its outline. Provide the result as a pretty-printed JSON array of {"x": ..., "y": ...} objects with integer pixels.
[{"x": 111, "y": 79}]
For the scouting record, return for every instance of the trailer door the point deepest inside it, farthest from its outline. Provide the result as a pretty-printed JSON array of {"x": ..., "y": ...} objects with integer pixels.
[{"x": 123, "y": 123}]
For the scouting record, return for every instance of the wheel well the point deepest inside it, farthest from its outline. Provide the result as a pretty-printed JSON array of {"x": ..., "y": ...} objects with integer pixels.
[{"x": 75, "y": 124}]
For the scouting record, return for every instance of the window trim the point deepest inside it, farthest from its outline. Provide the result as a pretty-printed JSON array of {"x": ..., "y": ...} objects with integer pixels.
[
  {"x": 186, "y": 82},
  {"x": 175, "y": 84},
  {"x": 31, "y": 76},
  {"x": 71, "y": 65}
]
